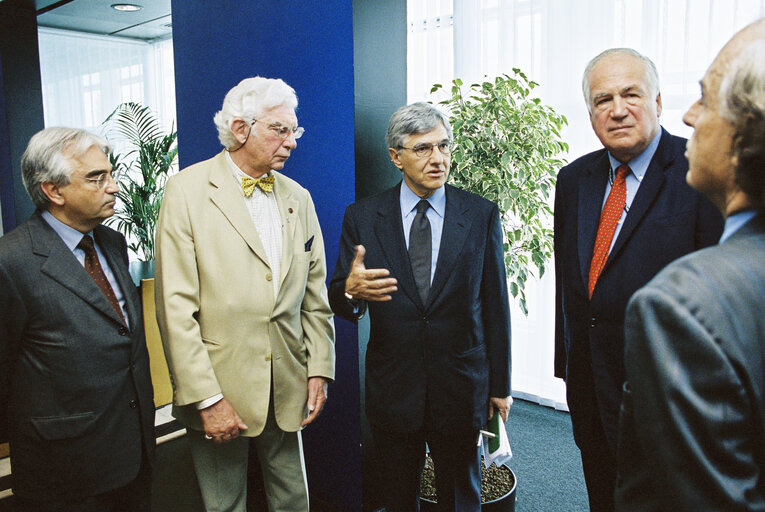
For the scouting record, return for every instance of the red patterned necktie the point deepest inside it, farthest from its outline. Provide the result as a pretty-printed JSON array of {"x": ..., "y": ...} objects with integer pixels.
[
  {"x": 93, "y": 267},
  {"x": 609, "y": 218}
]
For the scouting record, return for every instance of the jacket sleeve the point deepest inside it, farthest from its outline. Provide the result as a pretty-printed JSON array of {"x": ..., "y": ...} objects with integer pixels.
[
  {"x": 691, "y": 418},
  {"x": 349, "y": 239},
  {"x": 315, "y": 314},
  {"x": 177, "y": 298},
  {"x": 495, "y": 305},
  {"x": 560, "y": 317},
  {"x": 13, "y": 316}
]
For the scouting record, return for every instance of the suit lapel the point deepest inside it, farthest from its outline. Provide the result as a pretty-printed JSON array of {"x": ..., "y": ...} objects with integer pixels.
[
  {"x": 592, "y": 188},
  {"x": 228, "y": 199},
  {"x": 457, "y": 220},
  {"x": 389, "y": 229},
  {"x": 121, "y": 274},
  {"x": 652, "y": 183},
  {"x": 62, "y": 266},
  {"x": 288, "y": 210}
]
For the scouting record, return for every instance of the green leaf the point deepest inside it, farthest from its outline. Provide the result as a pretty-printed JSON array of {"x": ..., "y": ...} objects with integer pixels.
[{"x": 507, "y": 149}]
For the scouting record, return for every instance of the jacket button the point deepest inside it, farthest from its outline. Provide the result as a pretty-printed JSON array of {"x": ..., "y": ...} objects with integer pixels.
[
  {"x": 269, "y": 277},
  {"x": 593, "y": 322},
  {"x": 123, "y": 331},
  {"x": 133, "y": 404},
  {"x": 268, "y": 357}
]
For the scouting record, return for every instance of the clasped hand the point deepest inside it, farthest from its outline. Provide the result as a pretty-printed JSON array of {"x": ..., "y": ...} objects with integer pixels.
[{"x": 371, "y": 284}]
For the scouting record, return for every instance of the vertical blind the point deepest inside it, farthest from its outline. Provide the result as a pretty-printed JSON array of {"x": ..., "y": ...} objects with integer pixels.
[
  {"x": 552, "y": 41},
  {"x": 84, "y": 77}
]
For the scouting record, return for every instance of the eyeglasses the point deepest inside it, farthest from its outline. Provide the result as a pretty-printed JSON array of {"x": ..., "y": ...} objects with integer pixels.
[
  {"x": 101, "y": 181},
  {"x": 282, "y": 131},
  {"x": 426, "y": 149}
]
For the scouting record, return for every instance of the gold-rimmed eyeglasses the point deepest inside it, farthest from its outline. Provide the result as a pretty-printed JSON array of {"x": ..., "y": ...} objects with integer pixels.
[
  {"x": 426, "y": 149},
  {"x": 103, "y": 179},
  {"x": 283, "y": 131}
]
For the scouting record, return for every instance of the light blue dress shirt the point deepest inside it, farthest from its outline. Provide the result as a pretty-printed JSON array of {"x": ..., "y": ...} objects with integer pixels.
[
  {"x": 71, "y": 238},
  {"x": 638, "y": 166},
  {"x": 435, "y": 214},
  {"x": 736, "y": 222}
]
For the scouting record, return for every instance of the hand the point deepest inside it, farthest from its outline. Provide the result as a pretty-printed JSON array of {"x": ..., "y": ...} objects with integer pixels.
[
  {"x": 317, "y": 397},
  {"x": 221, "y": 422},
  {"x": 373, "y": 284},
  {"x": 503, "y": 405}
]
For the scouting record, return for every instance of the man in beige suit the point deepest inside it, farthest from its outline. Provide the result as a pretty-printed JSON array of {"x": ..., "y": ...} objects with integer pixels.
[{"x": 242, "y": 302}]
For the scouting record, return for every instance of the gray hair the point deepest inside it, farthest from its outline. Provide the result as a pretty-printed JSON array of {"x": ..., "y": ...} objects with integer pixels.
[
  {"x": 413, "y": 119},
  {"x": 651, "y": 75},
  {"x": 249, "y": 100},
  {"x": 49, "y": 155},
  {"x": 742, "y": 103}
]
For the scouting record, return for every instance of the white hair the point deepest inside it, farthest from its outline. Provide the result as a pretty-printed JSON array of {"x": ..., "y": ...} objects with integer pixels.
[
  {"x": 48, "y": 158},
  {"x": 742, "y": 103},
  {"x": 651, "y": 75},
  {"x": 250, "y": 99}
]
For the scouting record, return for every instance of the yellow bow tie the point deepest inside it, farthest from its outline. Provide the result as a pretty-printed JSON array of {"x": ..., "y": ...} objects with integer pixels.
[{"x": 266, "y": 184}]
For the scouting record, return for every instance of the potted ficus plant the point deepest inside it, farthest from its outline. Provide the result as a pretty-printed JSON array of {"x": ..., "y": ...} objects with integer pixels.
[
  {"x": 150, "y": 156},
  {"x": 507, "y": 147}
]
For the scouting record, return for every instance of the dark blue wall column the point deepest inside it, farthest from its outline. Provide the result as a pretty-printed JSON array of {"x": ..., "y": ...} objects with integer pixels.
[
  {"x": 21, "y": 111},
  {"x": 379, "y": 57},
  {"x": 309, "y": 44}
]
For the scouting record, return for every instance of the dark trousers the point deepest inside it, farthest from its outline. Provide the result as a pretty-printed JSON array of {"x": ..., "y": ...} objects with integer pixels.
[
  {"x": 456, "y": 460},
  {"x": 598, "y": 460},
  {"x": 133, "y": 497}
]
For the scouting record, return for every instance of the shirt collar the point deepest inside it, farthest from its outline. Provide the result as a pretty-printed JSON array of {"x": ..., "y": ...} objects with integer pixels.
[
  {"x": 735, "y": 222},
  {"x": 639, "y": 164},
  {"x": 68, "y": 234},
  {"x": 409, "y": 199},
  {"x": 238, "y": 173}
]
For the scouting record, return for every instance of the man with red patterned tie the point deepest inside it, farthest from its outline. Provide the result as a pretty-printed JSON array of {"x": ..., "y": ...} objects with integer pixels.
[
  {"x": 76, "y": 401},
  {"x": 622, "y": 213}
]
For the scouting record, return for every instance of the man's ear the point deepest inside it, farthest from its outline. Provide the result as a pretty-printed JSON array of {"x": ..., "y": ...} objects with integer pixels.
[
  {"x": 52, "y": 192},
  {"x": 394, "y": 155},
  {"x": 240, "y": 127},
  {"x": 658, "y": 105}
]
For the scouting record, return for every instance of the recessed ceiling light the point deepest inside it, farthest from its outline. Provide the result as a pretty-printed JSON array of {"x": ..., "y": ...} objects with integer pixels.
[{"x": 126, "y": 7}]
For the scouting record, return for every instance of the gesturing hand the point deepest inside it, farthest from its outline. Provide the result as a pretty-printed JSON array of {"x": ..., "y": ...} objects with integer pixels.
[
  {"x": 221, "y": 422},
  {"x": 369, "y": 284}
]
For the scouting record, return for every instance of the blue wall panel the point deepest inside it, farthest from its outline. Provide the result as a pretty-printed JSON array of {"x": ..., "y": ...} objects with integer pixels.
[{"x": 309, "y": 45}]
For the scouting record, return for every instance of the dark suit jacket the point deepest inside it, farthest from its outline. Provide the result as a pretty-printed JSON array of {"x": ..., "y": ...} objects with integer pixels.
[
  {"x": 692, "y": 431},
  {"x": 667, "y": 220},
  {"x": 75, "y": 389},
  {"x": 452, "y": 353}
]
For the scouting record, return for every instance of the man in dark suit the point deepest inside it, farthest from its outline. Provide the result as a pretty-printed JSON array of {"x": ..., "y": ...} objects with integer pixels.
[
  {"x": 438, "y": 359},
  {"x": 621, "y": 214},
  {"x": 75, "y": 389},
  {"x": 692, "y": 430}
]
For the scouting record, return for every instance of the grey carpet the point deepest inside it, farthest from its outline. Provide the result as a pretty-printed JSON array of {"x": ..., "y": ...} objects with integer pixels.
[{"x": 545, "y": 460}]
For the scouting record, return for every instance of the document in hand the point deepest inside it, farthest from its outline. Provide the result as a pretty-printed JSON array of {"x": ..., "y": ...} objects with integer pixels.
[{"x": 497, "y": 448}]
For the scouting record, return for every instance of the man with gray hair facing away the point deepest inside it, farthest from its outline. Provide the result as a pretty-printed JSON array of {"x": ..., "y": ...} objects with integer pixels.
[
  {"x": 242, "y": 303},
  {"x": 692, "y": 430},
  {"x": 76, "y": 401},
  {"x": 426, "y": 260},
  {"x": 621, "y": 214}
]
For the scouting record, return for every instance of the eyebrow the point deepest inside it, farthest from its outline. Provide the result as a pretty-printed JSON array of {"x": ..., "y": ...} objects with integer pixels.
[
  {"x": 96, "y": 172},
  {"x": 432, "y": 143}
]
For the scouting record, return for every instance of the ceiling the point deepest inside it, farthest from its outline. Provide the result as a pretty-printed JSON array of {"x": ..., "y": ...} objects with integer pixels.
[{"x": 98, "y": 17}]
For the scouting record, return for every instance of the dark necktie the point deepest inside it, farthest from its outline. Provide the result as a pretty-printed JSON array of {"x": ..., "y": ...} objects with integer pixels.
[
  {"x": 93, "y": 267},
  {"x": 420, "y": 250},
  {"x": 609, "y": 218}
]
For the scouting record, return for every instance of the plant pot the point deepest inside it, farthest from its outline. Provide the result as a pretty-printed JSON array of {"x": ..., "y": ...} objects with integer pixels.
[
  {"x": 141, "y": 270},
  {"x": 504, "y": 503}
]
